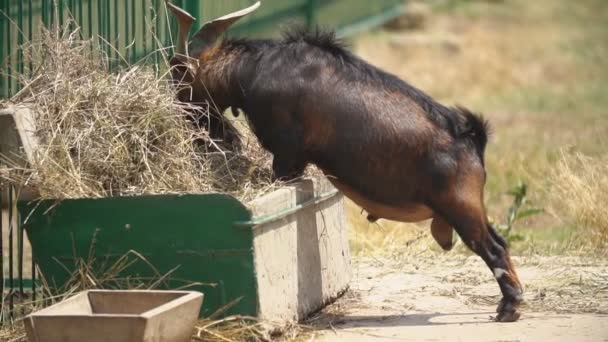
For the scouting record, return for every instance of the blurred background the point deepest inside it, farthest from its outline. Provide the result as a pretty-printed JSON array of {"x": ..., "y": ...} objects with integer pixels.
[{"x": 538, "y": 71}]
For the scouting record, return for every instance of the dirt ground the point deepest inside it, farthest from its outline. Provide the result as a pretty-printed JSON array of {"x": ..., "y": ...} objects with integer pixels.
[{"x": 453, "y": 298}]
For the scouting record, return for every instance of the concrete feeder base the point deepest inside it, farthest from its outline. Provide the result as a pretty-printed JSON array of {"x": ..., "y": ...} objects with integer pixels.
[{"x": 117, "y": 316}]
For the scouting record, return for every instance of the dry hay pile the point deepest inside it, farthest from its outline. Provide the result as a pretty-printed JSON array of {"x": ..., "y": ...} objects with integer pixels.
[{"x": 120, "y": 133}]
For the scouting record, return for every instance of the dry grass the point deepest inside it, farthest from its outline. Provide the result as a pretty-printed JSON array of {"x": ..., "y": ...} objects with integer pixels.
[
  {"x": 580, "y": 192},
  {"x": 379, "y": 237},
  {"x": 106, "y": 133}
]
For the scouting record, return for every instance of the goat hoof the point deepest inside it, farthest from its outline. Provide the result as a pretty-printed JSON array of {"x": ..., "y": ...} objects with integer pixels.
[
  {"x": 507, "y": 311},
  {"x": 372, "y": 218},
  {"x": 501, "y": 305},
  {"x": 447, "y": 246}
]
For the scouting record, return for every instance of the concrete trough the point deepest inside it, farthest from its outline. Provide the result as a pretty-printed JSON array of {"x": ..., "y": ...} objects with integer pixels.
[
  {"x": 301, "y": 252},
  {"x": 117, "y": 316}
]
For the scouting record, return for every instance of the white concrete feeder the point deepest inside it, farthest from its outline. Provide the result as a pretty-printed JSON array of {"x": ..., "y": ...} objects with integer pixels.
[{"x": 117, "y": 316}]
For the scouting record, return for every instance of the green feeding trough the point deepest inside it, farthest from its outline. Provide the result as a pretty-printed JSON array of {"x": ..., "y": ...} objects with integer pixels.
[
  {"x": 279, "y": 257},
  {"x": 195, "y": 233}
]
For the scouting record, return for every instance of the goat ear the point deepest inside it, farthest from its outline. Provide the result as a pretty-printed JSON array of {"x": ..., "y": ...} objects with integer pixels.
[{"x": 211, "y": 31}]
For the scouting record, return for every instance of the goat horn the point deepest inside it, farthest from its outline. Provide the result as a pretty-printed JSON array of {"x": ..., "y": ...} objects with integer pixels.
[
  {"x": 212, "y": 30},
  {"x": 185, "y": 21}
]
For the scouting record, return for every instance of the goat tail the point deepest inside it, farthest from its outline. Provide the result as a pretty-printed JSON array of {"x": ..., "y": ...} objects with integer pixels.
[{"x": 475, "y": 129}]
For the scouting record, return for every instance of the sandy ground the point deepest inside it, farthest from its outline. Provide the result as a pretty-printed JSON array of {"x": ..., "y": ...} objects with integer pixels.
[{"x": 453, "y": 298}]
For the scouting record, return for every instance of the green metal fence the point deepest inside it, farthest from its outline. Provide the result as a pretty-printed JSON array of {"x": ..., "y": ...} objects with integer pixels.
[{"x": 137, "y": 29}]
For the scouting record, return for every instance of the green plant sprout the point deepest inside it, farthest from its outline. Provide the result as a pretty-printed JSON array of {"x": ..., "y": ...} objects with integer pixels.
[{"x": 520, "y": 209}]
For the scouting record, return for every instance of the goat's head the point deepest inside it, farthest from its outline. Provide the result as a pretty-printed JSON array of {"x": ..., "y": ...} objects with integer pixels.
[{"x": 189, "y": 71}]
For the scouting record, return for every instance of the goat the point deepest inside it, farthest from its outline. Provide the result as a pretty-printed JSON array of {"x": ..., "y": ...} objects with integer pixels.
[{"x": 386, "y": 145}]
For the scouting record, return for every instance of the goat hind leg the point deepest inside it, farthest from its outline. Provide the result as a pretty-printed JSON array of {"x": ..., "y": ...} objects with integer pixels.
[
  {"x": 475, "y": 232},
  {"x": 479, "y": 239}
]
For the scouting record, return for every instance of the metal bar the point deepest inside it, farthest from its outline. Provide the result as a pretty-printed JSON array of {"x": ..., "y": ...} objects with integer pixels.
[
  {"x": 2, "y": 192},
  {"x": 108, "y": 32},
  {"x": 33, "y": 277},
  {"x": 99, "y": 22},
  {"x": 19, "y": 253},
  {"x": 283, "y": 213},
  {"x": 30, "y": 33},
  {"x": 311, "y": 14},
  {"x": 90, "y": 23},
  {"x": 90, "y": 19},
  {"x": 116, "y": 34},
  {"x": 144, "y": 8},
  {"x": 194, "y": 8},
  {"x": 133, "y": 33},
  {"x": 9, "y": 54},
  {"x": 44, "y": 14},
  {"x": 155, "y": 32},
  {"x": 10, "y": 251},
  {"x": 127, "y": 37},
  {"x": 3, "y": 92},
  {"x": 80, "y": 16},
  {"x": 71, "y": 15},
  {"x": 270, "y": 19},
  {"x": 370, "y": 22},
  {"x": 60, "y": 14},
  {"x": 20, "y": 39},
  {"x": 54, "y": 13}
]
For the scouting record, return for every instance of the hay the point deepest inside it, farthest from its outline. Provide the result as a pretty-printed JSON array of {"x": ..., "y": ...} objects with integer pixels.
[{"x": 120, "y": 133}]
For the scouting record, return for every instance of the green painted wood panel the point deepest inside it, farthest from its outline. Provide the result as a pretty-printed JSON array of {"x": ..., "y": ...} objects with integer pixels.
[{"x": 195, "y": 233}]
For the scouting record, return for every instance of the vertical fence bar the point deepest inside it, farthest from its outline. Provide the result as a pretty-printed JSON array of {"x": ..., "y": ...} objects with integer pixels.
[
  {"x": 144, "y": 8},
  {"x": 11, "y": 284},
  {"x": 60, "y": 14},
  {"x": 155, "y": 38},
  {"x": 99, "y": 22},
  {"x": 9, "y": 54},
  {"x": 2, "y": 192},
  {"x": 133, "y": 33},
  {"x": 44, "y": 13},
  {"x": 30, "y": 32},
  {"x": 19, "y": 253},
  {"x": 53, "y": 13},
  {"x": 80, "y": 17},
  {"x": 20, "y": 37},
  {"x": 90, "y": 19},
  {"x": 70, "y": 15},
  {"x": 311, "y": 14},
  {"x": 3, "y": 91},
  {"x": 116, "y": 33},
  {"x": 33, "y": 278},
  {"x": 127, "y": 37},
  {"x": 108, "y": 32},
  {"x": 194, "y": 8}
]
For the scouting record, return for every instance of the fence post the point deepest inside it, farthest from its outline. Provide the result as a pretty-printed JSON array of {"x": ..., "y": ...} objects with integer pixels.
[
  {"x": 2, "y": 39},
  {"x": 2, "y": 192},
  {"x": 311, "y": 14},
  {"x": 194, "y": 8},
  {"x": 11, "y": 283}
]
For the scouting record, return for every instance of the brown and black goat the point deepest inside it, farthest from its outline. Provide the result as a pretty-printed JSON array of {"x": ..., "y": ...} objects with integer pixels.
[{"x": 386, "y": 145}]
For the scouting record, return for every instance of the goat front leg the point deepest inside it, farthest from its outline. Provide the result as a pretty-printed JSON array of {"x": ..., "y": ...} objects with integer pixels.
[{"x": 287, "y": 168}]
